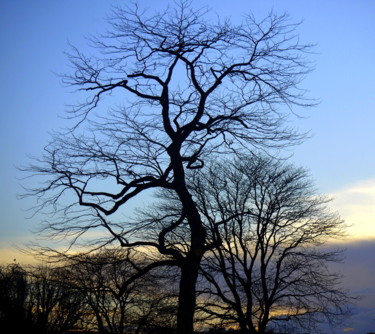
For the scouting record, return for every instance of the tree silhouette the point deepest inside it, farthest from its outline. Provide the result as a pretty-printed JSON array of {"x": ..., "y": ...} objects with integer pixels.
[
  {"x": 14, "y": 292},
  {"x": 38, "y": 300},
  {"x": 101, "y": 277},
  {"x": 182, "y": 86},
  {"x": 56, "y": 306},
  {"x": 270, "y": 266}
]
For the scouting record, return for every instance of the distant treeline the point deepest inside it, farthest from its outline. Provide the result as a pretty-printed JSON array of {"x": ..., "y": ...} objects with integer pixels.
[{"x": 82, "y": 297}]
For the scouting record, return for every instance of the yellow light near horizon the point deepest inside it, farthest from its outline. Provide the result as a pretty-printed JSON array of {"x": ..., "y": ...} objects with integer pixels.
[
  {"x": 356, "y": 205},
  {"x": 9, "y": 255}
]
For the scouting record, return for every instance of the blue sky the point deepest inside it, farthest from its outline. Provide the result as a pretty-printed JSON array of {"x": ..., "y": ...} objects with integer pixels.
[{"x": 340, "y": 154}]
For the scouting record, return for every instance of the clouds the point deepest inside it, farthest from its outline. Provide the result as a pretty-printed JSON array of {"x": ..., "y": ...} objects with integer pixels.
[
  {"x": 356, "y": 205},
  {"x": 361, "y": 322},
  {"x": 358, "y": 271}
]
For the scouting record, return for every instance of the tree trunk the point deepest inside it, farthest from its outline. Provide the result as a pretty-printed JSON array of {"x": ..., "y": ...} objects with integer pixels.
[
  {"x": 189, "y": 272},
  {"x": 189, "y": 275},
  {"x": 190, "y": 267},
  {"x": 186, "y": 304},
  {"x": 191, "y": 263}
]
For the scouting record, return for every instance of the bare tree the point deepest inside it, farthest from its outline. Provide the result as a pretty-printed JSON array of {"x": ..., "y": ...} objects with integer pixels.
[
  {"x": 99, "y": 277},
  {"x": 36, "y": 300},
  {"x": 270, "y": 266},
  {"x": 185, "y": 87},
  {"x": 115, "y": 299},
  {"x": 56, "y": 306}
]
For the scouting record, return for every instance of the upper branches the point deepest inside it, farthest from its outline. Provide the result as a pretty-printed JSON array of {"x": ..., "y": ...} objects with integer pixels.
[
  {"x": 182, "y": 59},
  {"x": 184, "y": 87}
]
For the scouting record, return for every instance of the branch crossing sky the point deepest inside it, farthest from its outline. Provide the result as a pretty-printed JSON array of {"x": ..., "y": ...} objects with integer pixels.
[{"x": 340, "y": 154}]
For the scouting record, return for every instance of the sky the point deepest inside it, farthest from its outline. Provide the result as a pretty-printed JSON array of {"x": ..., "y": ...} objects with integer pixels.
[{"x": 340, "y": 154}]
